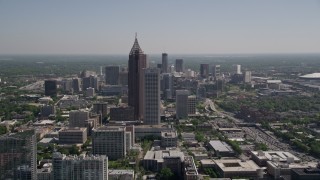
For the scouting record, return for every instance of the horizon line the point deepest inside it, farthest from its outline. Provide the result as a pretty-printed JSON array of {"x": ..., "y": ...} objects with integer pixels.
[{"x": 117, "y": 54}]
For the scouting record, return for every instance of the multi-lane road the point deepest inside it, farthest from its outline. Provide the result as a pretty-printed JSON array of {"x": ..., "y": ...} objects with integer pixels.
[{"x": 259, "y": 135}]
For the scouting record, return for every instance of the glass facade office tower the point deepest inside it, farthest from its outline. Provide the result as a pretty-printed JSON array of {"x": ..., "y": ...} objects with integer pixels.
[
  {"x": 112, "y": 75},
  {"x": 137, "y": 62},
  {"x": 164, "y": 67},
  {"x": 151, "y": 78}
]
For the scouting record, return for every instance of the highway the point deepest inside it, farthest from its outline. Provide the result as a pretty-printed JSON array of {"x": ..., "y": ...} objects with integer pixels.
[{"x": 258, "y": 135}]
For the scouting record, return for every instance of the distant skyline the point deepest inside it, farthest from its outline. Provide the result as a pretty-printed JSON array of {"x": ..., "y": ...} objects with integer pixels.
[{"x": 175, "y": 27}]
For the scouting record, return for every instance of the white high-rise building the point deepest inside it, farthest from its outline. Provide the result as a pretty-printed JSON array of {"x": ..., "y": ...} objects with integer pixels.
[
  {"x": 182, "y": 103},
  {"x": 79, "y": 167},
  {"x": 151, "y": 96},
  {"x": 110, "y": 141},
  {"x": 238, "y": 69},
  {"x": 247, "y": 76},
  {"x": 216, "y": 72}
]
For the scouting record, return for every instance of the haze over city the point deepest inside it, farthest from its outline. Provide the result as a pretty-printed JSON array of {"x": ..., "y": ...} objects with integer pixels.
[
  {"x": 176, "y": 27},
  {"x": 160, "y": 90}
]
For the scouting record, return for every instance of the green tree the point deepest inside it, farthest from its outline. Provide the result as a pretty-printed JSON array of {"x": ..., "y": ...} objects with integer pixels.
[
  {"x": 261, "y": 146},
  {"x": 210, "y": 172},
  {"x": 3, "y": 130},
  {"x": 74, "y": 150},
  {"x": 199, "y": 137},
  {"x": 166, "y": 174}
]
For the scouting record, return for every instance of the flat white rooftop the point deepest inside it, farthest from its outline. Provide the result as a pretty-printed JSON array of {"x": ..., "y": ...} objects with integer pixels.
[
  {"x": 120, "y": 172},
  {"x": 231, "y": 165},
  {"x": 220, "y": 146},
  {"x": 269, "y": 155}
]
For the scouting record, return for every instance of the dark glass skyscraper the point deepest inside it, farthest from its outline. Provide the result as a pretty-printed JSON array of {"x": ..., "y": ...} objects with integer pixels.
[
  {"x": 164, "y": 63},
  {"x": 50, "y": 87},
  {"x": 137, "y": 61},
  {"x": 179, "y": 65},
  {"x": 112, "y": 75},
  {"x": 204, "y": 70}
]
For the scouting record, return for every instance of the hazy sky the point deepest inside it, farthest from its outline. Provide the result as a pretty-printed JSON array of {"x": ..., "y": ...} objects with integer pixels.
[{"x": 174, "y": 26}]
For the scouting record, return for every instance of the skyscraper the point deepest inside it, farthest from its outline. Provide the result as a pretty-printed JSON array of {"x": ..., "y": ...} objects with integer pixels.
[
  {"x": 238, "y": 69},
  {"x": 137, "y": 61},
  {"x": 100, "y": 108},
  {"x": 50, "y": 87},
  {"x": 204, "y": 70},
  {"x": 112, "y": 75},
  {"x": 216, "y": 72},
  {"x": 167, "y": 85},
  {"x": 182, "y": 103},
  {"x": 151, "y": 79},
  {"x": 179, "y": 65},
  {"x": 18, "y": 156},
  {"x": 76, "y": 85},
  {"x": 123, "y": 77},
  {"x": 247, "y": 76},
  {"x": 192, "y": 100},
  {"x": 164, "y": 63},
  {"x": 90, "y": 81}
]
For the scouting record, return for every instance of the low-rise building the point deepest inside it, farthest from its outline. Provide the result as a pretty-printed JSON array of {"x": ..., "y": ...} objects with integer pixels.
[
  {"x": 188, "y": 136},
  {"x": 121, "y": 174},
  {"x": 44, "y": 123},
  {"x": 72, "y": 135},
  {"x": 305, "y": 174},
  {"x": 47, "y": 110},
  {"x": 277, "y": 169},
  {"x": 150, "y": 130},
  {"x": 207, "y": 163},
  {"x": 229, "y": 168},
  {"x": 199, "y": 155},
  {"x": 204, "y": 127},
  {"x": 169, "y": 139},
  {"x": 156, "y": 160},
  {"x": 45, "y": 173},
  {"x": 221, "y": 148},
  {"x": 46, "y": 141},
  {"x": 261, "y": 157},
  {"x": 122, "y": 113},
  {"x": 190, "y": 169}
]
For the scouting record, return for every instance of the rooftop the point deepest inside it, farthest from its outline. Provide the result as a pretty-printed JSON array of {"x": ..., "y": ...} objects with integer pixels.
[
  {"x": 169, "y": 134},
  {"x": 159, "y": 155},
  {"x": 292, "y": 165},
  {"x": 311, "y": 76},
  {"x": 269, "y": 155},
  {"x": 120, "y": 171},
  {"x": 75, "y": 129},
  {"x": 236, "y": 165},
  {"x": 220, "y": 146},
  {"x": 110, "y": 128}
]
